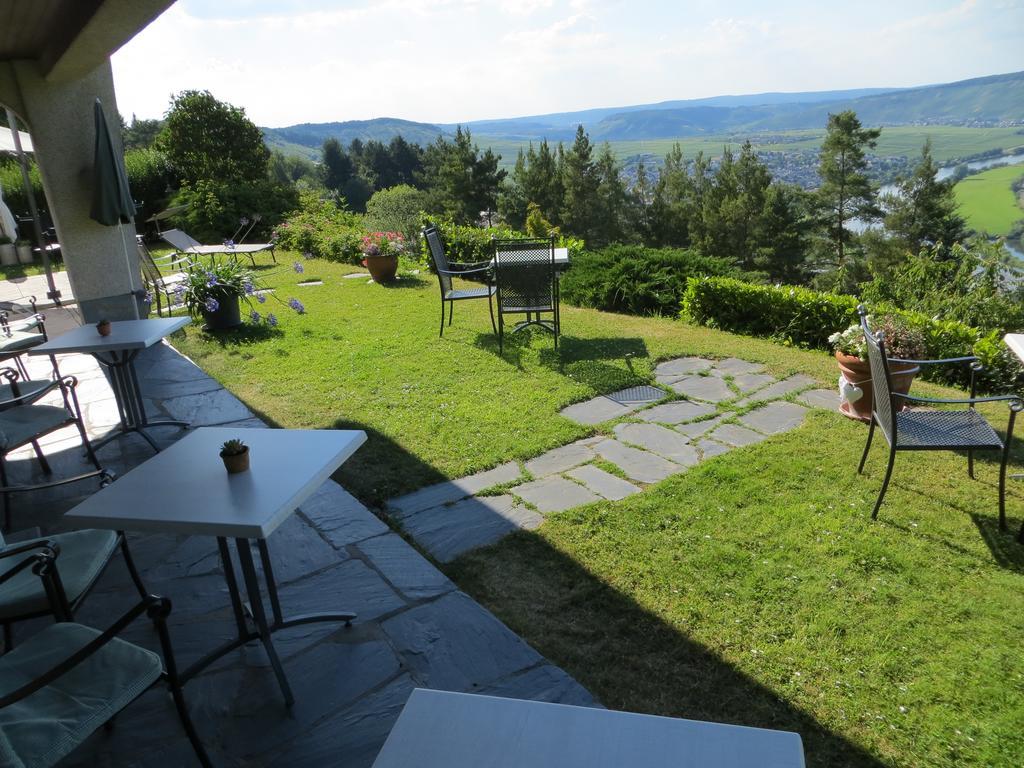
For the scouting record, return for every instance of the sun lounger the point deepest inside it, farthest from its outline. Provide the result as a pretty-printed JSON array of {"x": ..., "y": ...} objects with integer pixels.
[{"x": 186, "y": 244}]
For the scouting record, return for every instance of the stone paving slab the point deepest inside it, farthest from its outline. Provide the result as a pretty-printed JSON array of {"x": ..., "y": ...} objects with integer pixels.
[
  {"x": 780, "y": 389},
  {"x": 561, "y": 459},
  {"x": 448, "y": 531},
  {"x": 455, "y": 645},
  {"x": 405, "y": 568},
  {"x": 638, "y": 396},
  {"x": 660, "y": 440},
  {"x": 733, "y": 366},
  {"x": 207, "y": 409},
  {"x": 775, "y": 418},
  {"x": 682, "y": 366},
  {"x": 709, "y": 448},
  {"x": 709, "y": 388},
  {"x": 638, "y": 465},
  {"x": 674, "y": 413},
  {"x": 554, "y": 494},
  {"x": 613, "y": 406},
  {"x": 340, "y": 517},
  {"x": 698, "y": 428},
  {"x": 453, "y": 490},
  {"x": 820, "y": 398},
  {"x": 748, "y": 382},
  {"x": 543, "y": 683},
  {"x": 737, "y": 436},
  {"x": 603, "y": 483}
]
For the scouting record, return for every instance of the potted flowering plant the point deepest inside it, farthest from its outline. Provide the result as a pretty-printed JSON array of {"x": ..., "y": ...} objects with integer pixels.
[
  {"x": 380, "y": 255},
  {"x": 901, "y": 341},
  {"x": 213, "y": 290},
  {"x": 235, "y": 455}
]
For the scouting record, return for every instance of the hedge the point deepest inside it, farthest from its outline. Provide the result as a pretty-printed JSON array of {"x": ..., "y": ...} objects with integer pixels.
[
  {"x": 637, "y": 280},
  {"x": 323, "y": 229},
  {"x": 802, "y": 317}
]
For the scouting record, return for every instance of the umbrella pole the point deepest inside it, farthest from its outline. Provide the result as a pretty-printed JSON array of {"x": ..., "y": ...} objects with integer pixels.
[{"x": 26, "y": 180}]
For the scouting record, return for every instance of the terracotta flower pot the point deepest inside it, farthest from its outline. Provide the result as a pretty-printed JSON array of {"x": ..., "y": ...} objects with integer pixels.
[
  {"x": 382, "y": 268},
  {"x": 236, "y": 462},
  {"x": 858, "y": 372},
  {"x": 103, "y": 327}
]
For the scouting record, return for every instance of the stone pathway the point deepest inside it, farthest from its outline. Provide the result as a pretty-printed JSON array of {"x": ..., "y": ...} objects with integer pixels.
[{"x": 650, "y": 434}]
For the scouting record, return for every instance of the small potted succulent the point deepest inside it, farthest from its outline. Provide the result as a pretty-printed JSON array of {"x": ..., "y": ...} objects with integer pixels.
[
  {"x": 103, "y": 327},
  {"x": 235, "y": 455},
  {"x": 380, "y": 255},
  {"x": 24, "y": 249},
  {"x": 901, "y": 341},
  {"x": 8, "y": 253}
]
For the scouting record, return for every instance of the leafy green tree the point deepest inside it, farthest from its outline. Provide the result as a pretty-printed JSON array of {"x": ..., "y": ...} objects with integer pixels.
[
  {"x": 673, "y": 195},
  {"x": 460, "y": 181},
  {"x": 204, "y": 138},
  {"x": 638, "y": 212},
  {"x": 141, "y": 133},
  {"x": 782, "y": 231},
  {"x": 846, "y": 192},
  {"x": 397, "y": 209},
  {"x": 535, "y": 178},
  {"x": 580, "y": 179},
  {"x": 612, "y": 200},
  {"x": 336, "y": 166},
  {"x": 291, "y": 169},
  {"x": 924, "y": 210}
]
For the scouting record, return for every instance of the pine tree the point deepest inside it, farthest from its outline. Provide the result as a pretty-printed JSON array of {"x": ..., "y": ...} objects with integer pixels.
[
  {"x": 923, "y": 210},
  {"x": 580, "y": 179}
]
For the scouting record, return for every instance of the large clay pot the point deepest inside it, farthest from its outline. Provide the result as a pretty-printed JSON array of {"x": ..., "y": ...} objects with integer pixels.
[
  {"x": 228, "y": 315},
  {"x": 858, "y": 372},
  {"x": 382, "y": 268}
]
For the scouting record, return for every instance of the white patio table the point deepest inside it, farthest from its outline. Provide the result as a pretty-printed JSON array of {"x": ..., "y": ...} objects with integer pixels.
[
  {"x": 186, "y": 490},
  {"x": 461, "y": 730},
  {"x": 117, "y": 352}
]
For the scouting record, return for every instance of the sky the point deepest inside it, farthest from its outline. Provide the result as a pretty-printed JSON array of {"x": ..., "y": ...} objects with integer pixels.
[{"x": 448, "y": 61}]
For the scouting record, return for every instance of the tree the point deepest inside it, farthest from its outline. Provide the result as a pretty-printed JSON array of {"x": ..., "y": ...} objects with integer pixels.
[
  {"x": 141, "y": 133},
  {"x": 397, "y": 209},
  {"x": 924, "y": 211},
  {"x": 336, "y": 166},
  {"x": 535, "y": 179},
  {"x": 673, "y": 194},
  {"x": 208, "y": 139},
  {"x": 611, "y": 200},
  {"x": 460, "y": 182},
  {"x": 291, "y": 169},
  {"x": 846, "y": 192},
  {"x": 580, "y": 180}
]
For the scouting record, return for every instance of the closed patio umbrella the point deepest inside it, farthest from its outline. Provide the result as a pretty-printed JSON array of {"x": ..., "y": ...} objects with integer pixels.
[
  {"x": 112, "y": 202},
  {"x": 7, "y": 223}
]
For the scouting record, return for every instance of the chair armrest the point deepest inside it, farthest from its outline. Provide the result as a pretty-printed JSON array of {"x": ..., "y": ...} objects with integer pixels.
[
  {"x": 966, "y": 359},
  {"x": 458, "y": 272},
  {"x": 151, "y": 603},
  {"x": 31, "y": 397},
  {"x": 1015, "y": 402}
]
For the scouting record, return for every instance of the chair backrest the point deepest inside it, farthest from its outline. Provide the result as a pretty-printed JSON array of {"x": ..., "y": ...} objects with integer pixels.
[
  {"x": 881, "y": 379},
  {"x": 525, "y": 274},
  {"x": 436, "y": 248},
  {"x": 179, "y": 239},
  {"x": 149, "y": 269}
]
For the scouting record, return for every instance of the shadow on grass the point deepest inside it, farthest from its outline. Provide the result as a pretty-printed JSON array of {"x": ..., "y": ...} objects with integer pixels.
[
  {"x": 243, "y": 335},
  {"x": 627, "y": 656},
  {"x": 406, "y": 281}
]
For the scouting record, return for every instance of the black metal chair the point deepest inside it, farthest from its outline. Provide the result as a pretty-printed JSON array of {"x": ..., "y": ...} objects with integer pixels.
[
  {"x": 931, "y": 430},
  {"x": 446, "y": 270},
  {"x": 19, "y": 335},
  {"x": 527, "y": 284},
  {"x": 158, "y": 283},
  {"x": 23, "y": 420}
]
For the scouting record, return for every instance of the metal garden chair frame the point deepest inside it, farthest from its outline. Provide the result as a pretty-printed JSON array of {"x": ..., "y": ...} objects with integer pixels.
[
  {"x": 450, "y": 294},
  {"x": 19, "y": 408},
  {"x": 21, "y": 334},
  {"x": 90, "y": 655},
  {"x": 931, "y": 430},
  {"x": 157, "y": 282},
  {"x": 527, "y": 284}
]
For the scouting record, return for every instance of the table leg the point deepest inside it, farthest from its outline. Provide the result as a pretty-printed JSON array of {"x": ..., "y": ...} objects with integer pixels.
[{"x": 252, "y": 588}]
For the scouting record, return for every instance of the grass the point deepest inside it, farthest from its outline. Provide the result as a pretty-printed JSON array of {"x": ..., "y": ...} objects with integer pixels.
[
  {"x": 751, "y": 589},
  {"x": 947, "y": 142},
  {"x": 987, "y": 201}
]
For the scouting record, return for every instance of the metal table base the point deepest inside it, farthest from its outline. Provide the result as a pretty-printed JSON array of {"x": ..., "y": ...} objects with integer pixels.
[
  {"x": 261, "y": 629},
  {"x": 130, "y": 406}
]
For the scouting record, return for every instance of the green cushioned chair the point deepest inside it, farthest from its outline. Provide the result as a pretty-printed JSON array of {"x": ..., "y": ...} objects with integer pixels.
[
  {"x": 23, "y": 420},
  {"x": 17, "y": 336},
  {"x": 81, "y": 556},
  {"x": 70, "y": 679}
]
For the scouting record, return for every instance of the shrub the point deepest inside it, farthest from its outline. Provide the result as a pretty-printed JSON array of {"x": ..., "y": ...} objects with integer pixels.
[
  {"x": 324, "y": 229},
  {"x": 14, "y": 188},
  {"x": 806, "y": 318},
  {"x": 396, "y": 209},
  {"x": 150, "y": 176},
  {"x": 215, "y": 208},
  {"x": 637, "y": 280}
]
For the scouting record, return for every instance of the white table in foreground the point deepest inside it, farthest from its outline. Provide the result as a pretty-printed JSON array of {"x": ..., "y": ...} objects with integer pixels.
[
  {"x": 1015, "y": 341},
  {"x": 186, "y": 490},
  {"x": 117, "y": 353},
  {"x": 438, "y": 729},
  {"x": 561, "y": 259}
]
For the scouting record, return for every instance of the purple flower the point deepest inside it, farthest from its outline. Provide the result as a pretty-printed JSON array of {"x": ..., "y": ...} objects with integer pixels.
[
  {"x": 148, "y": 297},
  {"x": 229, "y": 243},
  {"x": 179, "y": 290},
  {"x": 272, "y": 320},
  {"x": 212, "y": 305},
  {"x": 254, "y": 316},
  {"x": 261, "y": 298},
  {"x": 307, "y": 255},
  {"x": 249, "y": 288},
  {"x": 372, "y": 250},
  {"x": 297, "y": 306},
  {"x": 297, "y": 266},
  {"x": 211, "y": 279}
]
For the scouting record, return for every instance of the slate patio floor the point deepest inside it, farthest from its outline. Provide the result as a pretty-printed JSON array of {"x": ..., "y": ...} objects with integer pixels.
[{"x": 414, "y": 629}]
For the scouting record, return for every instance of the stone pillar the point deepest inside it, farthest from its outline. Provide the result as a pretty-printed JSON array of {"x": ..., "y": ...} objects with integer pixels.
[{"x": 102, "y": 262}]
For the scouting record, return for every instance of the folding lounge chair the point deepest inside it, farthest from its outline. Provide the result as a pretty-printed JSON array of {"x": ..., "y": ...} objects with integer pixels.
[{"x": 185, "y": 244}]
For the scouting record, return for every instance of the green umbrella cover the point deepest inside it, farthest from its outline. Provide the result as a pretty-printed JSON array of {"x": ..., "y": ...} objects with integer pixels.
[{"x": 111, "y": 197}]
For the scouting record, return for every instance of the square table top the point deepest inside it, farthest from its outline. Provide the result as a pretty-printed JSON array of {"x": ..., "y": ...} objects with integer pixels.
[
  {"x": 461, "y": 730},
  {"x": 1015, "y": 341},
  {"x": 185, "y": 489},
  {"x": 124, "y": 334}
]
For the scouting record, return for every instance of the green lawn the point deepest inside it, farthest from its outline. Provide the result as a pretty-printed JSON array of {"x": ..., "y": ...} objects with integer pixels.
[
  {"x": 987, "y": 201},
  {"x": 751, "y": 589}
]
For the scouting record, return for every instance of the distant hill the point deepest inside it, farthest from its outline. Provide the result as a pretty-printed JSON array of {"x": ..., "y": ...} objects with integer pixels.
[{"x": 979, "y": 101}]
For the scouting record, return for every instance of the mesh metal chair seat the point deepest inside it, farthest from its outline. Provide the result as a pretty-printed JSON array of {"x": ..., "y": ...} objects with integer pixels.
[
  {"x": 447, "y": 270},
  {"x": 928, "y": 429},
  {"x": 527, "y": 284}
]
